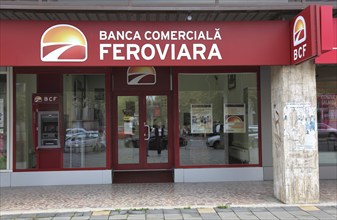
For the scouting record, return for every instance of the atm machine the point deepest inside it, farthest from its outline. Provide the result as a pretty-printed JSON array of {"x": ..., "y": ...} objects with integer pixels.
[{"x": 47, "y": 130}]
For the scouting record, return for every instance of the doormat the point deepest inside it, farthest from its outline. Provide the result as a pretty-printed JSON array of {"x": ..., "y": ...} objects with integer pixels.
[{"x": 163, "y": 176}]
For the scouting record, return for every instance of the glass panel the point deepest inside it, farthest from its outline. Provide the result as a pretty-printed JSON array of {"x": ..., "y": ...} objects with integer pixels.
[
  {"x": 25, "y": 155},
  {"x": 157, "y": 127},
  {"x": 218, "y": 116},
  {"x": 84, "y": 121},
  {"x": 3, "y": 122},
  {"x": 128, "y": 130},
  {"x": 327, "y": 113}
]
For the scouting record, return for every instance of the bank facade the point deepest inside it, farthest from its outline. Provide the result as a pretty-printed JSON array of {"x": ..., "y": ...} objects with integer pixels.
[{"x": 195, "y": 93}]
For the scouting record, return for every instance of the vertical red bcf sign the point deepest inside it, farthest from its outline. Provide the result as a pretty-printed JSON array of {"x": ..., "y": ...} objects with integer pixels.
[{"x": 303, "y": 35}]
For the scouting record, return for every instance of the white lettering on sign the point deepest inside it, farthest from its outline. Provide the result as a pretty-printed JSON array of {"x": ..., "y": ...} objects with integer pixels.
[
  {"x": 300, "y": 52},
  {"x": 150, "y": 51},
  {"x": 123, "y": 50},
  {"x": 49, "y": 98}
]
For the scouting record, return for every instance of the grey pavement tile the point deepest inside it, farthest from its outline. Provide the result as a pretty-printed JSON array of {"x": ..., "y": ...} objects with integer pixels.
[
  {"x": 292, "y": 208},
  {"x": 78, "y": 214},
  {"x": 136, "y": 217},
  {"x": 8, "y": 216},
  {"x": 27, "y": 215},
  {"x": 29, "y": 218},
  {"x": 320, "y": 214},
  {"x": 173, "y": 217},
  {"x": 62, "y": 218},
  {"x": 258, "y": 209},
  {"x": 240, "y": 209},
  {"x": 171, "y": 211},
  {"x": 45, "y": 215},
  {"x": 275, "y": 209},
  {"x": 99, "y": 217},
  {"x": 283, "y": 214},
  {"x": 265, "y": 215},
  {"x": 210, "y": 216},
  {"x": 154, "y": 211},
  {"x": 80, "y": 218},
  {"x": 118, "y": 217},
  {"x": 154, "y": 216},
  {"x": 65, "y": 214},
  {"x": 223, "y": 210},
  {"x": 246, "y": 216},
  {"x": 189, "y": 211}
]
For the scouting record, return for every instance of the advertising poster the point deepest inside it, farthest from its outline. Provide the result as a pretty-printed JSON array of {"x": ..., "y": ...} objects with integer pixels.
[
  {"x": 201, "y": 118},
  {"x": 234, "y": 118},
  {"x": 301, "y": 120}
]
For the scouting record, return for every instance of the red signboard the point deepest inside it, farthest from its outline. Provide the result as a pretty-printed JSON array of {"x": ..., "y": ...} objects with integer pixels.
[
  {"x": 55, "y": 43},
  {"x": 331, "y": 56},
  {"x": 303, "y": 29}
]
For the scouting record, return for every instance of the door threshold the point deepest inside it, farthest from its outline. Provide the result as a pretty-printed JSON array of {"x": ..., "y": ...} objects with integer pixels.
[{"x": 142, "y": 176}]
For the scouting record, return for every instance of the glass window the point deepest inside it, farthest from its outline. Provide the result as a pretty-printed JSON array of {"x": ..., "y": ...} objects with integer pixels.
[
  {"x": 25, "y": 155},
  {"x": 84, "y": 121},
  {"x": 218, "y": 116},
  {"x": 327, "y": 113},
  {"x": 3, "y": 122}
]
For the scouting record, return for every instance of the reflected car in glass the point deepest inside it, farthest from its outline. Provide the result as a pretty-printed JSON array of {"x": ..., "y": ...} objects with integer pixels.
[{"x": 326, "y": 131}]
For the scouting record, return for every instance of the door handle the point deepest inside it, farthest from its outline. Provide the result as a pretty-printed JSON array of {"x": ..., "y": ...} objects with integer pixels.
[{"x": 148, "y": 132}]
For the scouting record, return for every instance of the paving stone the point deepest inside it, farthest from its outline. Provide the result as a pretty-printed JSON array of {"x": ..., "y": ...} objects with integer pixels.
[
  {"x": 171, "y": 211},
  {"x": 136, "y": 216},
  {"x": 258, "y": 209},
  {"x": 80, "y": 218},
  {"x": 206, "y": 210},
  {"x": 320, "y": 214},
  {"x": 173, "y": 217},
  {"x": 210, "y": 216},
  {"x": 265, "y": 215},
  {"x": 154, "y": 211},
  {"x": 99, "y": 217},
  {"x": 240, "y": 209},
  {"x": 62, "y": 218},
  {"x": 246, "y": 215},
  {"x": 228, "y": 216},
  {"x": 154, "y": 216},
  {"x": 189, "y": 211},
  {"x": 101, "y": 213},
  {"x": 118, "y": 217},
  {"x": 283, "y": 214},
  {"x": 291, "y": 208},
  {"x": 45, "y": 215}
]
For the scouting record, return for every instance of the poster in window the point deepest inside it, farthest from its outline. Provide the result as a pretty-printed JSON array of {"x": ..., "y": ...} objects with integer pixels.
[
  {"x": 201, "y": 118},
  {"x": 234, "y": 118}
]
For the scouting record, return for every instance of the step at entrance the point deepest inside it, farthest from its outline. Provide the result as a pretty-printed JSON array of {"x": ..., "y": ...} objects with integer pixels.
[{"x": 162, "y": 176}]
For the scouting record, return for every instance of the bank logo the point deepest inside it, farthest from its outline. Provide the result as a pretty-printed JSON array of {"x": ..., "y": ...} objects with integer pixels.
[
  {"x": 299, "y": 31},
  {"x": 37, "y": 99},
  {"x": 63, "y": 43},
  {"x": 141, "y": 76}
]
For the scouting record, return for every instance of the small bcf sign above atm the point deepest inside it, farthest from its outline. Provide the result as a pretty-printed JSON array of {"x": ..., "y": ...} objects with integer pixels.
[
  {"x": 303, "y": 35},
  {"x": 46, "y": 98}
]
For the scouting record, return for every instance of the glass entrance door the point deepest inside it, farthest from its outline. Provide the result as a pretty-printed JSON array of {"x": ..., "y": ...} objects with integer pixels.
[{"x": 143, "y": 137}]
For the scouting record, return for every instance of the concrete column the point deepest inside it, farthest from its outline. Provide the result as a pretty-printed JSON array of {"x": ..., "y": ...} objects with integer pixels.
[{"x": 294, "y": 133}]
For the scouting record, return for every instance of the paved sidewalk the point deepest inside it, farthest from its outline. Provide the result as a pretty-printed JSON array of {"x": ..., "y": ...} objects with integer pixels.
[
  {"x": 238, "y": 213},
  {"x": 162, "y": 201}
]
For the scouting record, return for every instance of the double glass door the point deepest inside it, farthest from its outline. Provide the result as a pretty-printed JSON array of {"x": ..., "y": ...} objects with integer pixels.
[{"x": 143, "y": 137}]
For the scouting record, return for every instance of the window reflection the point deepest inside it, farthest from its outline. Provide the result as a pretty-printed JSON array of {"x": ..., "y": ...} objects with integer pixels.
[
  {"x": 218, "y": 119},
  {"x": 84, "y": 121}
]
